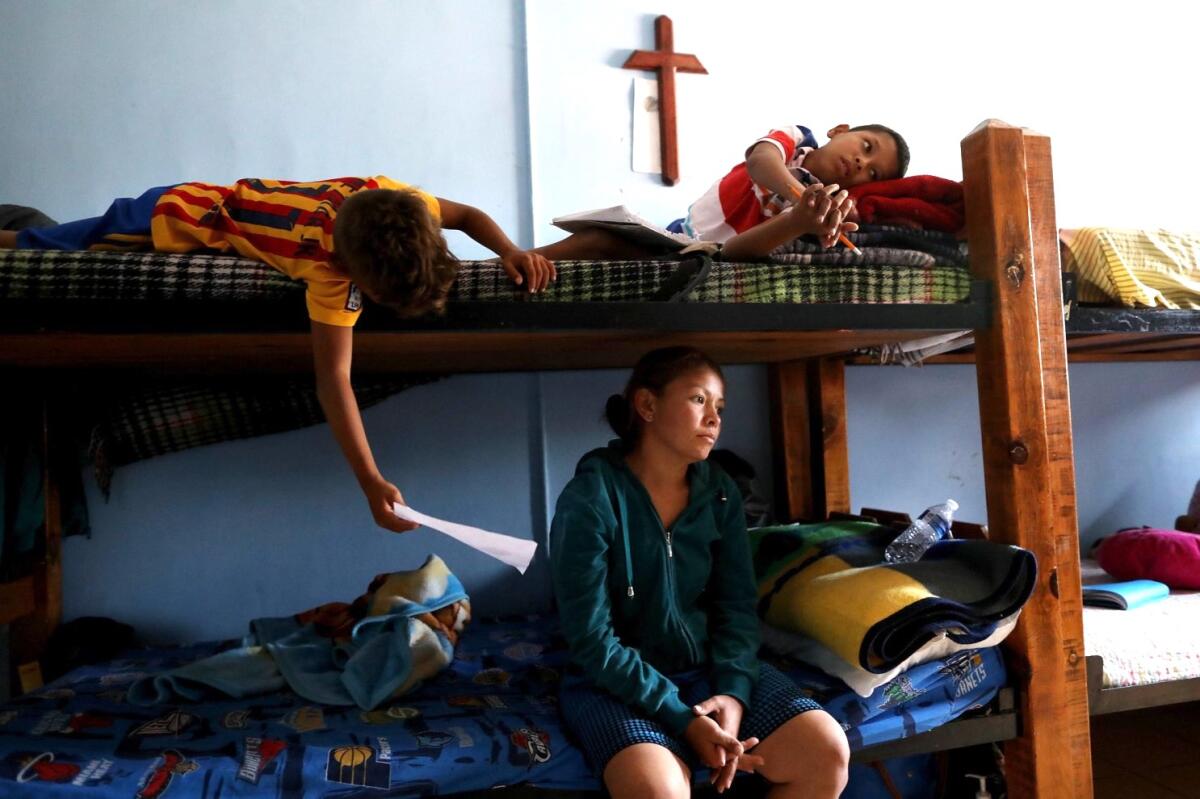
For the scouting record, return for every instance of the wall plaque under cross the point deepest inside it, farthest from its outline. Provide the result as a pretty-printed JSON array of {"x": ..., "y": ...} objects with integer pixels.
[{"x": 665, "y": 61}]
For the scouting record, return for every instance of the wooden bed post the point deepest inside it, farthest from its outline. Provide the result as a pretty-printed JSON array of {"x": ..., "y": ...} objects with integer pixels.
[
  {"x": 808, "y": 417},
  {"x": 1027, "y": 451}
]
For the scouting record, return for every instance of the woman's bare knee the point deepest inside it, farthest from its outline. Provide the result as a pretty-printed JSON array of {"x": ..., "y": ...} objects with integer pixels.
[
  {"x": 647, "y": 770},
  {"x": 811, "y": 747}
]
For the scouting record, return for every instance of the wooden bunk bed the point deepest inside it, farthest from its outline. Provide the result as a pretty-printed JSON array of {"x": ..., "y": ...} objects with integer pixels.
[
  {"x": 1014, "y": 309},
  {"x": 1115, "y": 334},
  {"x": 1094, "y": 334}
]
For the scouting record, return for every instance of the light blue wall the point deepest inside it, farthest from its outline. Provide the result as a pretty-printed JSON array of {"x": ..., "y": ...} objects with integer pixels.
[
  {"x": 194, "y": 544},
  {"x": 99, "y": 100},
  {"x": 914, "y": 440},
  {"x": 521, "y": 108}
]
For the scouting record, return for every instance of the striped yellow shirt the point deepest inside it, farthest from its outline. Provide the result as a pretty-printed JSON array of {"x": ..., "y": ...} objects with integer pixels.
[{"x": 286, "y": 224}]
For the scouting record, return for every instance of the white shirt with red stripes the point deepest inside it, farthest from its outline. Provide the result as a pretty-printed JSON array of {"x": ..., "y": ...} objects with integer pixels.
[{"x": 735, "y": 203}]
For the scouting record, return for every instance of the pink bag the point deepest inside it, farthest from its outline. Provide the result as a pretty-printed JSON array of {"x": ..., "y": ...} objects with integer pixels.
[{"x": 1146, "y": 553}]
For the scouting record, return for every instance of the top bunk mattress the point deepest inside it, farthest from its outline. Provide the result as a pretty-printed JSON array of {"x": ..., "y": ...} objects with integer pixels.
[{"x": 63, "y": 289}]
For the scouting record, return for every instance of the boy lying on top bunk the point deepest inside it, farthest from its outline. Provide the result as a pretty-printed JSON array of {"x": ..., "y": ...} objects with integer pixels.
[
  {"x": 785, "y": 188},
  {"x": 343, "y": 237}
]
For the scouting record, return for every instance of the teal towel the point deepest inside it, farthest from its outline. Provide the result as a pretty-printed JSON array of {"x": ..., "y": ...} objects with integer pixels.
[{"x": 389, "y": 651}]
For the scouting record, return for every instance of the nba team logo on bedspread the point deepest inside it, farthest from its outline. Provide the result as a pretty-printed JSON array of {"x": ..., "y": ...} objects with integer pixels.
[
  {"x": 535, "y": 742},
  {"x": 42, "y": 767},
  {"x": 59, "y": 723},
  {"x": 389, "y": 715},
  {"x": 897, "y": 692},
  {"x": 492, "y": 677},
  {"x": 169, "y": 766},
  {"x": 236, "y": 719},
  {"x": 258, "y": 756},
  {"x": 305, "y": 719},
  {"x": 357, "y": 765},
  {"x": 967, "y": 670},
  {"x": 433, "y": 739},
  {"x": 173, "y": 723}
]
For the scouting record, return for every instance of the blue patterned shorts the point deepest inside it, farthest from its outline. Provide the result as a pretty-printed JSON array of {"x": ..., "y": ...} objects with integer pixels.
[{"x": 603, "y": 725}]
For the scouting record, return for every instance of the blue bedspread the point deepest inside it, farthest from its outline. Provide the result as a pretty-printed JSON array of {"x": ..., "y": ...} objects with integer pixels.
[{"x": 490, "y": 720}]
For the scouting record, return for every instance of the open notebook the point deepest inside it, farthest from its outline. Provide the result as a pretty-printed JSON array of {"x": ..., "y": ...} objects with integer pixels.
[
  {"x": 1125, "y": 595},
  {"x": 625, "y": 223}
]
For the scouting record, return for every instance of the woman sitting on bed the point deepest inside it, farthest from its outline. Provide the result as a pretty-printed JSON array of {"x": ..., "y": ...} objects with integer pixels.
[{"x": 655, "y": 589}]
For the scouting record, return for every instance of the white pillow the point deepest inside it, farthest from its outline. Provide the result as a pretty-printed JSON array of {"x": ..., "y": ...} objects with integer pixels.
[{"x": 862, "y": 682}]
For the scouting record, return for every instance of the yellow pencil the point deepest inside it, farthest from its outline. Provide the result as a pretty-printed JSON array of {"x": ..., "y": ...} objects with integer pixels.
[{"x": 841, "y": 236}]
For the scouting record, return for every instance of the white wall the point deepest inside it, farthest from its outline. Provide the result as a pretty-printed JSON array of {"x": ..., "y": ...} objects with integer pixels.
[
  {"x": 98, "y": 100},
  {"x": 1110, "y": 85}
]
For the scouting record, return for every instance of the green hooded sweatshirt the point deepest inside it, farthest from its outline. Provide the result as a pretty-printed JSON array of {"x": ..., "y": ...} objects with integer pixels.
[{"x": 638, "y": 602}]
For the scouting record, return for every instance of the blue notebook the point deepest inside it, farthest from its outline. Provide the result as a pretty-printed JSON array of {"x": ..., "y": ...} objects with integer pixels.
[{"x": 1124, "y": 596}]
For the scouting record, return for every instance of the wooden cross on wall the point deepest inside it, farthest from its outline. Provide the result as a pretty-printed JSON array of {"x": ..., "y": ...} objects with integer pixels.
[{"x": 665, "y": 61}]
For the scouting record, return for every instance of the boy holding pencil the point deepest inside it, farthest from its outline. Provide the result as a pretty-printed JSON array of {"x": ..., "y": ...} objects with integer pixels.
[{"x": 787, "y": 187}]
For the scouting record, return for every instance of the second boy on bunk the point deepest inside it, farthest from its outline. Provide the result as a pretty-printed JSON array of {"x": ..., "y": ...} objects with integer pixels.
[
  {"x": 785, "y": 188},
  {"x": 344, "y": 237}
]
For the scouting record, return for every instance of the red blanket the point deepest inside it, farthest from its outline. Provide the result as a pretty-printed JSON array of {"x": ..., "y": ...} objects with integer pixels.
[{"x": 922, "y": 201}]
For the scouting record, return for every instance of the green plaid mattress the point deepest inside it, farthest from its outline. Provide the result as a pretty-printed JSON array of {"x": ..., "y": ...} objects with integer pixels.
[
  {"x": 787, "y": 281},
  {"x": 897, "y": 265},
  {"x": 885, "y": 273},
  {"x": 36, "y": 275},
  {"x": 57, "y": 275}
]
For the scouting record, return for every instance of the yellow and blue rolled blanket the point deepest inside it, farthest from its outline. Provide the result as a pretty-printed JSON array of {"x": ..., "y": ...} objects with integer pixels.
[{"x": 828, "y": 581}]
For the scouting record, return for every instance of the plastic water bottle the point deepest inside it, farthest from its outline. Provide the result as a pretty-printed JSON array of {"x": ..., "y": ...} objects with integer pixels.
[{"x": 930, "y": 527}]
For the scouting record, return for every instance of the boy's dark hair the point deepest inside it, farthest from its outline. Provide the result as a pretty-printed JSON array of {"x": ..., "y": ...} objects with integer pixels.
[
  {"x": 902, "y": 154},
  {"x": 653, "y": 371},
  {"x": 393, "y": 249}
]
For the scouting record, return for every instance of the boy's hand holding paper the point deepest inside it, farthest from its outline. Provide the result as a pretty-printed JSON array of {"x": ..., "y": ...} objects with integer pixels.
[{"x": 516, "y": 552}]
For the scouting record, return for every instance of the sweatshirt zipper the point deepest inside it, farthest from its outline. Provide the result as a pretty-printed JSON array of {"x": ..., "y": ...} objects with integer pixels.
[{"x": 687, "y": 634}]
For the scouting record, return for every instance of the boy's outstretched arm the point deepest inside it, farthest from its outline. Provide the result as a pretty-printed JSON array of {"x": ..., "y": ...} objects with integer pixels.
[
  {"x": 332, "y": 351},
  {"x": 524, "y": 267},
  {"x": 767, "y": 169}
]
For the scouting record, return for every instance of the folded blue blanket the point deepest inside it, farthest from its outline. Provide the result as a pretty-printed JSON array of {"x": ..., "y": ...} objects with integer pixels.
[{"x": 406, "y": 627}]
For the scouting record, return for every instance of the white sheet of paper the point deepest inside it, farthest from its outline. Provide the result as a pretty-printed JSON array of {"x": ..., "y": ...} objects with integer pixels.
[{"x": 516, "y": 552}]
